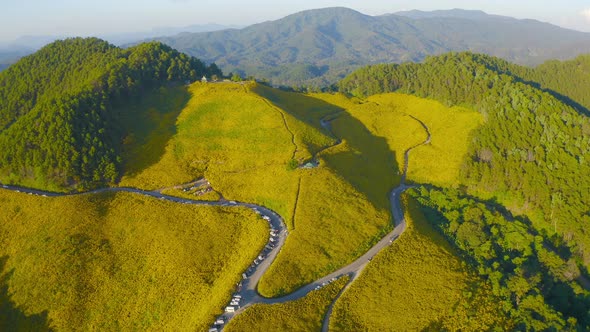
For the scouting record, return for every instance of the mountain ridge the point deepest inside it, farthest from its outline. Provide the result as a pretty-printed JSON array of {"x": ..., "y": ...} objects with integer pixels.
[{"x": 324, "y": 43}]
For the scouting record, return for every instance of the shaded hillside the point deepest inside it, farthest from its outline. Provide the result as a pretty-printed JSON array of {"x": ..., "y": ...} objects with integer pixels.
[
  {"x": 317, "y": 47},
  {"x": 58, "y": 129},
  {"x": 532, "y": 152}
]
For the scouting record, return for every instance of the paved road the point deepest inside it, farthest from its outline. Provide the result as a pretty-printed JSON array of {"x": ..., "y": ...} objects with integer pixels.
[
  {"x": 247, "y": 289},
  {"x": 355, "y": 268},
  {"x": 397, "y": 214}
]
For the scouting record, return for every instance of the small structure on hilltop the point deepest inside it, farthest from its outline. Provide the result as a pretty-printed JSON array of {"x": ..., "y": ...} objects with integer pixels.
[
  {"x": 204, "y": 79},
  {"x": 310, "y": 164}
]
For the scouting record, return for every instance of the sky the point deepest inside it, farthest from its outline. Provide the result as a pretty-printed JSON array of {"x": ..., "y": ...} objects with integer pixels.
[{"x": 91, "y": 17}]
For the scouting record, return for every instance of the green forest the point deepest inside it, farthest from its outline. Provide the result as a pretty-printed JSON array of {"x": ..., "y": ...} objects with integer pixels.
[
  {"x": 58, "y": 126},
  {"x": 535, "y": 280}
]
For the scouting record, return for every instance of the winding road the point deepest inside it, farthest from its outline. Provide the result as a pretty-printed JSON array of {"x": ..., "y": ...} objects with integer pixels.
[{"x": 246, "y": 290}]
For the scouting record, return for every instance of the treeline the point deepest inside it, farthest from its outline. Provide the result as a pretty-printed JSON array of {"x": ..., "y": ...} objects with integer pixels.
[
  {"x": 568, "y": 81},
  {"x": 533, "y": 151},
  {"x": 58, "y": 129},
  {"x": 569, "y": 78},
  {"x": 534, "y": 279}
]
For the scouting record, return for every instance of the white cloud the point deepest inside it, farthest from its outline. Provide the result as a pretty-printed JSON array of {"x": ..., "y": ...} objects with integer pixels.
[{"x": 586, "y": 13}]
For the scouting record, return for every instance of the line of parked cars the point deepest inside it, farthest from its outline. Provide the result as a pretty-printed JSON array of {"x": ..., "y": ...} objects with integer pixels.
[
  {"x": 218, "y": 325},
  {"x": 325, "y": 283},
  {"x": 234, "y": 304}
]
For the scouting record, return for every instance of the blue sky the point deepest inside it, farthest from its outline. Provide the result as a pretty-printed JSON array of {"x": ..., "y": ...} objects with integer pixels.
[{"x": 84, "y": 17}]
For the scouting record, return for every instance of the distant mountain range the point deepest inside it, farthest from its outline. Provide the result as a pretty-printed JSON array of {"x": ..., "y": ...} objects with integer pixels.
[
  {"x": 318, "y": 47},
  {"x": 10, "y": 52}
]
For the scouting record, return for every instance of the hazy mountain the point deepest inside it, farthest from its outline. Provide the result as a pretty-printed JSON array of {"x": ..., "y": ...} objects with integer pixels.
[
  {"x": 454, "y": 13},
  {"x": 10, "y": 56},
  {"x": 124, "y": 38},
  {"x": 320, "y": 46},
  {"x": 12, "y": 51}
]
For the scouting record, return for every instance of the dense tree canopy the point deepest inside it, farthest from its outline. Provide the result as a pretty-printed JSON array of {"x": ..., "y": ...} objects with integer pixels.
[
  {"x": 58, "y": 128},
  {"x": 536, "y": 280},
  {"x": 568, "y": 80}
]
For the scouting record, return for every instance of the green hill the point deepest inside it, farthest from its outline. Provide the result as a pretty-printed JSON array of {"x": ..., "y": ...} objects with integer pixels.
[{"x": 58, "y": 126}]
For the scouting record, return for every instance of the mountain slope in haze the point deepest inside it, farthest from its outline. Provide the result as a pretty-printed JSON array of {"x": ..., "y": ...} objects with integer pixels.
[
  {"x": 58, "y": 125},
  {"x": 318, "y": 47},
  {"x": 12, "y": 51}
]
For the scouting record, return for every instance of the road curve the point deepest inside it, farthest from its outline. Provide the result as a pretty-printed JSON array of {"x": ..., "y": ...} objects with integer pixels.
[
  {"x": 247, "y": 288},
  {"x": 397, "y": 213}
]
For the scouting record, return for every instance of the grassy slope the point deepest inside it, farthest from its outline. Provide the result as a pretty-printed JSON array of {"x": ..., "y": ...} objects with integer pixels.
[
  {"x": 151, "y": 121},
  {"x": 234, "y": 139},
  {"x": 242, "y": 136},
  {"x": 122, "y": 261},
  {"x": 340, "y": 212},
  {"x": 305, "y": 314},
  {"x": 241, "y": 142},
  {"x": 437, "y": 163},
  {"x": 334, "y": 224},
  {"x": 415, "y": 284},
  {"x": 303, "y": 115}
]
